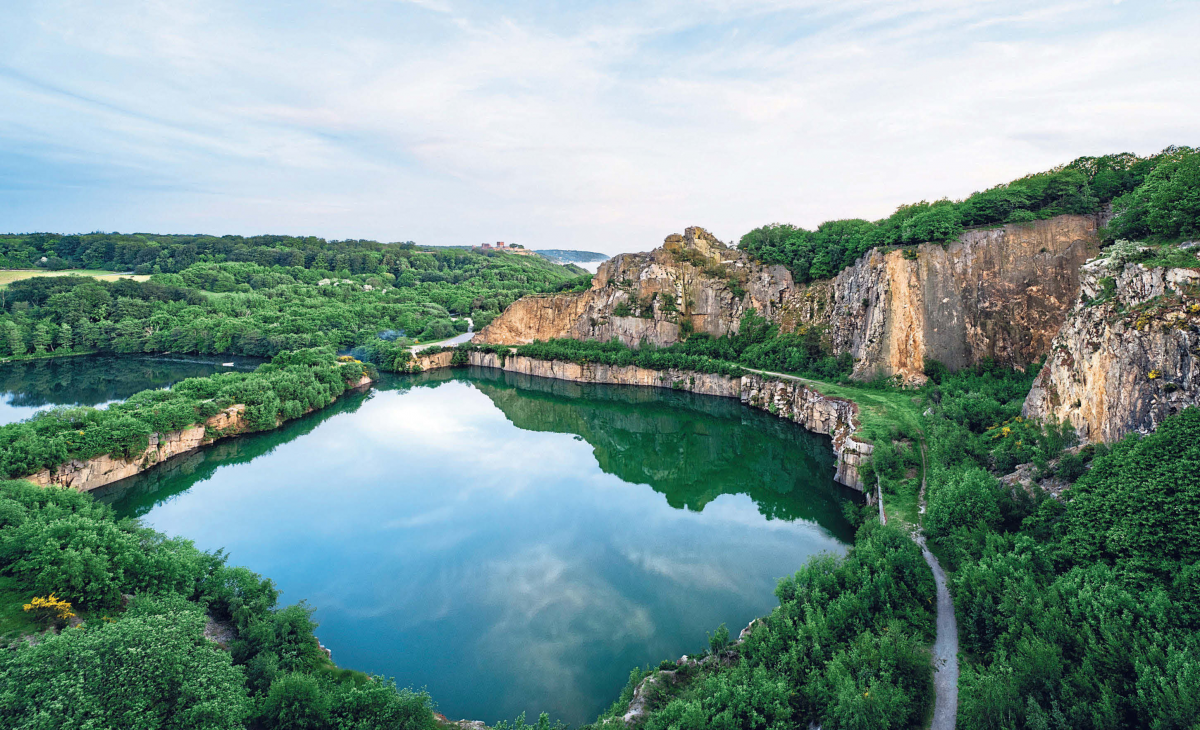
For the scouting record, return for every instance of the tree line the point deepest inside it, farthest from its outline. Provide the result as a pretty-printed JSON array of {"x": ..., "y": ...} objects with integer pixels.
[
  {"x": 248, "y": 309},
  {"x": 289, "y": 386},
  {"x": 147, "y": 253},
  {"x": 1157, "y": 196}
]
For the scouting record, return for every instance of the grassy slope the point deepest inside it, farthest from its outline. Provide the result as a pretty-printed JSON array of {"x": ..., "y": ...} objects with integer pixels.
[{"x": 8, "y": 276}]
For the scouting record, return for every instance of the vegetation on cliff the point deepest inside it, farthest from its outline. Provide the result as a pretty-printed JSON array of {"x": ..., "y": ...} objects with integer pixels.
[
  {"x": 1158, "y": 194},
  {"x": 290, "y": 385},
  {"x": 758, "y": 343},
  {"x": 144, "y": 662}
]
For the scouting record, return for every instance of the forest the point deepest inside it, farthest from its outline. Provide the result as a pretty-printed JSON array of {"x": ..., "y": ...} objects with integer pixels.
[
  {"x": 1156, "y": 197},
  {"x": 146, "y": 253},
  {"x": 292, "y": 384},
  {"x": 257, "y": 310}
]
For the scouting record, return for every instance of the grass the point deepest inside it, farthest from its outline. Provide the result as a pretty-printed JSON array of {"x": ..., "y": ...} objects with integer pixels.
[
  {"x": 903, "y": 505},
  {"x": 8, "y": 276},
  {"x": 14, "y": 621},
  {"x": 882, "y": 414},
  {"x": 1171, "y": 256}
]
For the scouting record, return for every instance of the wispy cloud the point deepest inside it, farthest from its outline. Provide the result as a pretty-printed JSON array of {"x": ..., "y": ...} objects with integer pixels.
[{"x": 601, "y": 126}]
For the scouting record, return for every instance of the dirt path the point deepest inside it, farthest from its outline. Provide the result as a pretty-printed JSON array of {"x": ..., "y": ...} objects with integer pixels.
[
  {"x": 456, "y": 340},
  {"x": 945, "y": 646}
]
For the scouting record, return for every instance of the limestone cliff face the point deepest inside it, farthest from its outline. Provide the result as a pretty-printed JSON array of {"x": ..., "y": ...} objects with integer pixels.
[
  {"x": 1128, "y": 355},
  {"x": 1000, "y": 293},
  {"x": 86, "y": 475},
  {"x": 789, "y": 399},
  {"x": 688, "y": 282}
]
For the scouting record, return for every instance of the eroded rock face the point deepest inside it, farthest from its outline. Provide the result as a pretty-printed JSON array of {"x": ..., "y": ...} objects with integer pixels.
[
  {"x": 1128, "y": 355},
  {"x": 84, "y": 476},
  {"x": 1000, "y": 293},
  {"x": 789, "y": 399},
  {"x": 688, "y": 282}
]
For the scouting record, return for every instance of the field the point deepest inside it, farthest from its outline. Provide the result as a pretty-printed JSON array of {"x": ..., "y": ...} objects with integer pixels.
[{"x": 8, "y": 276}]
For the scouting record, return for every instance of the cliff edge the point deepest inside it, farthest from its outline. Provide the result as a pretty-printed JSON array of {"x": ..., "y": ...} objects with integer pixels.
[{"x": 999, "y": 293}]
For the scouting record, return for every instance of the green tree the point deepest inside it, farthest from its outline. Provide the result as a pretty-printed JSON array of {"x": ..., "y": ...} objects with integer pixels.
[
  {"x": 13, "y": 339},
  {"x": 65, "y": 335},
  {"x": 41, "y": 338},
  {"x": 150, "y": 670}
]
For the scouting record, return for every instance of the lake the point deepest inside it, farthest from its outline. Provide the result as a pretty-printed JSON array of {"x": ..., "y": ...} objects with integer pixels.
[
  {"x": 511, "y": 543},
  {"x": 28, "y": 386}
]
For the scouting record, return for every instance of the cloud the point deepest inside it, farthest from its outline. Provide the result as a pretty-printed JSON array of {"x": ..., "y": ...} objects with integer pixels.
[{"x": 602, "y": 126}]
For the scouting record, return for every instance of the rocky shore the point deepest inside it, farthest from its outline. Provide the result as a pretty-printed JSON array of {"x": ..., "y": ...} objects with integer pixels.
[
  {"x": 89, "y": 474},
  {"x": 788, "y": 398}
]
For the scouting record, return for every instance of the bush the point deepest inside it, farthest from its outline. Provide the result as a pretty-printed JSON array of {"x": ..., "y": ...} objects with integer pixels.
[
  {"x": 152, "y": 668},
  {"x": 311, "y": 378},
  {"x": 719, "y": 639}
]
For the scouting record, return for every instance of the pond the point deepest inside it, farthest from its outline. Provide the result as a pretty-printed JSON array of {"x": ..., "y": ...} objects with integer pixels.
[
  {"x": 511, "y": 543},
  {"x": 29, "y": 386}
]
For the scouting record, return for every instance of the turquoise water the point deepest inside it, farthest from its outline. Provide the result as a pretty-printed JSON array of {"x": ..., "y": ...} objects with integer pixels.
[{"x": 510, "y": 543}]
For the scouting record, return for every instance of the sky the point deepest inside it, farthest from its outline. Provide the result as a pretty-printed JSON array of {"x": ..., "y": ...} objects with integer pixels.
[{"x": 600, "y": 126}]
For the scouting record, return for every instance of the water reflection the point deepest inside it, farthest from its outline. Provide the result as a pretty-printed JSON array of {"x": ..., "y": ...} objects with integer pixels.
[
  {"x": 492, "y": 536},
  {"x": 97, "y": 380}
]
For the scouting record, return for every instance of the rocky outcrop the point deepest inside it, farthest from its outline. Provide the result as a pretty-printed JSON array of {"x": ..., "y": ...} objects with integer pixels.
[
  {"x": 84, "y": 475},
  {"x": 787, "y": 398},
  {"x": 434, "y": 361},
  {"x": 999, "y": 293},
  {"x": 704, "y": 383},
  {"x": 819, "y": 413},
  {"x": 1128, "y": 355},
  {"x": 692, "y": 282}
]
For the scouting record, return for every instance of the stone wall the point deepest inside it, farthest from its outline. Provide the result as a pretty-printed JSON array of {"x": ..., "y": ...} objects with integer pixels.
[
  {"x": 786, "y": 398},
  {"x": 89, "y": 474},
  {"x": 1128, "y": 355}
]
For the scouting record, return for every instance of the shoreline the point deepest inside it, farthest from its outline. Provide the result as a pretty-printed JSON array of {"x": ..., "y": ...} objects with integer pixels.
[{"x": 784, "y": 397}]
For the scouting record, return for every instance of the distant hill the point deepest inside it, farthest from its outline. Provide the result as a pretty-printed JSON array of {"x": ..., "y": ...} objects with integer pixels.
[{"x": 563, "y": 256}]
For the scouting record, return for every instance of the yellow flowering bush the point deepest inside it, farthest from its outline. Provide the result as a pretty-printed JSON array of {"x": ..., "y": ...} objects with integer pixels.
[{"x": 50, "y": 609}]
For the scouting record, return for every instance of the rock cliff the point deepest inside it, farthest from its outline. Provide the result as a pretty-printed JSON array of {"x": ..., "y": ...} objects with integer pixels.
[
  {"x": 789, "y": 398},
  {"x": 89, "y": 474},
  {"x": 84, "y": 476},
  {"x": 1128, "y": 355},
  {"x": 999, "y": 293}
]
